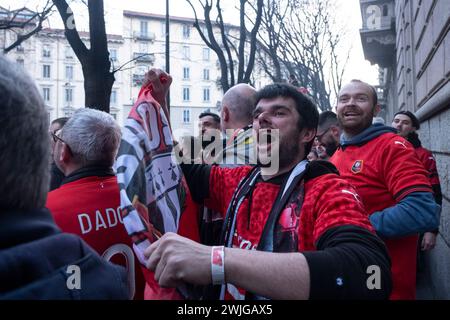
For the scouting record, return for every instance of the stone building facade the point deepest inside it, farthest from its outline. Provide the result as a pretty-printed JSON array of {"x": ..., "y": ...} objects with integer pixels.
[{"x": 410, "y": 42}]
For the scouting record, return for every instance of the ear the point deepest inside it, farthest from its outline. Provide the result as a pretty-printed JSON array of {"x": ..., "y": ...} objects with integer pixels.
[
  {"x": 225, "y": 114},
  {"x": 308, "y": 136},
  {"x": 335, "y": 132},
  {"x": 377, "y": 110},
  {"x": 65, "y": 155}
]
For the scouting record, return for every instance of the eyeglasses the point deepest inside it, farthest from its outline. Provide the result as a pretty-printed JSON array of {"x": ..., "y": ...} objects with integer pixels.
[
  {"x": 320, "y": 136},
  {"x": 56, "y": 138}
]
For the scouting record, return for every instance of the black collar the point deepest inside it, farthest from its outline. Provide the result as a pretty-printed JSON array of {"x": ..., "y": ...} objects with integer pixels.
[{"x": 91, "y": 171}]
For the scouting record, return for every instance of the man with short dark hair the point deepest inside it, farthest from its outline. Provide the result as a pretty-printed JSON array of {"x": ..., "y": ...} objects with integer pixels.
[
  {"x": 390, "y": 179},
  {"x": 328, "y": 132},
  {"x": 87, "y": 203},
  {"x": 56, "y": 175},
  {"x": 37, "y": 261},
  {"x": 406, "y": 123},
  {"x": 311, "y": 235}
]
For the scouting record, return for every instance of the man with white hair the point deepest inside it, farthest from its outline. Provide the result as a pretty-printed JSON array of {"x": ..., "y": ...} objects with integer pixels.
[{"x": 87, "y": 203}]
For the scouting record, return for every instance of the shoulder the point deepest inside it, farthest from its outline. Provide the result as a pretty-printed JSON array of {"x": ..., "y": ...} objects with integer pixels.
[{"x": 318, "y": 168}]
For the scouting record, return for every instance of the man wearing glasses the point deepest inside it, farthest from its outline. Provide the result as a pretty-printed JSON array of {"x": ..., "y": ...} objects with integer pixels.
[
  {"x": 87, "y": 203},
  {"x": 328, "y": 133}
]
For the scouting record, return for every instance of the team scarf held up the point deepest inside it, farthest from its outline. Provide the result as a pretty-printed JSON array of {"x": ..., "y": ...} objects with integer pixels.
[{"x": 153, "y": 191}]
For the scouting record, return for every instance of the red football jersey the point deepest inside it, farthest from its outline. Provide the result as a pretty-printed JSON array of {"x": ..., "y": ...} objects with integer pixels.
[
  {"x": 90, "y": 207},
  {"x": 329, "y": 201},
  {"x": 384, "y": 171},
  {"x": 426, "y": 157}
]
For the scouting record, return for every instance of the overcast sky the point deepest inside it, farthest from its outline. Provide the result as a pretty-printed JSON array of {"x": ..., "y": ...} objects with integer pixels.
[{"x": 347, "y": 13}]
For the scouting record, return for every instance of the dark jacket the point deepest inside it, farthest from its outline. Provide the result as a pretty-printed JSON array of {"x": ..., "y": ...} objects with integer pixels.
[{"x": 35, "y": 260}]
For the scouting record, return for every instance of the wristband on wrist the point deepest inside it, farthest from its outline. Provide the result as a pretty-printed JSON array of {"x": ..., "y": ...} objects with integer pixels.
[{"x": 218, "y": 265}]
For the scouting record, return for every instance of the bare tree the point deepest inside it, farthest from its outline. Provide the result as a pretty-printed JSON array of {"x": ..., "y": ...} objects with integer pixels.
[
  {"x": 234, "y": 66},
  {"x": 25, "y": 28},
  {"x": 306, "y": 45},
  {"x": 95, "y": 62}
]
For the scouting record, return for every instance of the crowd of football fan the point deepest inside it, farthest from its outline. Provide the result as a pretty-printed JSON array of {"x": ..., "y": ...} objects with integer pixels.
[{"x": 339, "y": 218}]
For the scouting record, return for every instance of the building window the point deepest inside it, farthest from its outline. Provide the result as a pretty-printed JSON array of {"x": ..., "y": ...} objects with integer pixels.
[
  {"x": 144, "y": 28},
  {"x": 20, "y": 62},
  {"x": 186, "y": 94},
  {"x": 46, "y": 51},
  {"x": 69, "y": 52},
  {"x": 186, "y": 116},
  {"x": 205, "y": 94},
  {"x": 114, "y": 116},
  {"x": 46, "y": 94},
  {"x": 186, "y": 31},
  {"x": 69, "y": 72},
  {"x": 205, "y": 74},
  {"x": 186, "y": 52},
  {"x": 46, "y": 71},
  {"x": 206, "y": 54},
  {"x": 68, "y": 95},
  {"x": 186, "y": 73},
  {"x": 113, "y": 99},
  {"x": 113, "y": 54}
]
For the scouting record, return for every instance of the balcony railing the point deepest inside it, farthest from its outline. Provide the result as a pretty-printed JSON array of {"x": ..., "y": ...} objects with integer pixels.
[
  {"x": 144, "y": 57},
  {"x": 145, "y": 36}
]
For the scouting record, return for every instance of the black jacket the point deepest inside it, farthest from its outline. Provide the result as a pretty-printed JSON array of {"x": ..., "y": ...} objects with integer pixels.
[{"x": 35, "y": 257}]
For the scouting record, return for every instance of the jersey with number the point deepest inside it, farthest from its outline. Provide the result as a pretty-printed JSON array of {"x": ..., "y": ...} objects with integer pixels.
[
  {"x": 89, "y": 207},
  {"x": 384, "y": 170},
  {"x": 328, "y": 201}
]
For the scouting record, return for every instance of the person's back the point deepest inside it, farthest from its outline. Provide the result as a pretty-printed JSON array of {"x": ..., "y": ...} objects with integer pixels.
[
  {"x": 37, "y": 261},
  {"x": 87, "y": 203}
]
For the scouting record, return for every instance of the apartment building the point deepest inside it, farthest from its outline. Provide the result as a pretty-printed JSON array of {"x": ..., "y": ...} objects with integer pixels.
[{"x": 194, "y": 67}]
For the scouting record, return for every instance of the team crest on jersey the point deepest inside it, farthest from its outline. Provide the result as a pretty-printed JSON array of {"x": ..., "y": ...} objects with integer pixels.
[{"x": 357, "y": 166}]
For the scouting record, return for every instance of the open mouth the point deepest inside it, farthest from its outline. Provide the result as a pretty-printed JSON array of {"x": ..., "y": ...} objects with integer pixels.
[
  {"x": 351, "y": 114},
  {"x": 267, "y": 137}
]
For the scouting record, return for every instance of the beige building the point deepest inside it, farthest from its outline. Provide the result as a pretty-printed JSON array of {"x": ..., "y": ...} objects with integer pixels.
[
  {"x": 410, "y": 42},
  {"x": 50, "y": 60}
]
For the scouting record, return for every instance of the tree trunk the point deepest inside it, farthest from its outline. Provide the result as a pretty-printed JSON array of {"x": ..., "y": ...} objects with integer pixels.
[{"x": 97, "y": 87}]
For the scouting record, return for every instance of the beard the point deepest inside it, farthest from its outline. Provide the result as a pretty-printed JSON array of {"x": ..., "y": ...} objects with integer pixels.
[
  {"x": 287, "y": 151},
  {"x": 330, "y": 148},
  {"x": 353, "y": 127}
]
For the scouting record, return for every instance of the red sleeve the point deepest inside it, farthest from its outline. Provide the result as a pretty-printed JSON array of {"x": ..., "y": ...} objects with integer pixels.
[
  {"x": 404, "y": 173},
  {"x": 222, "y": 184},
  {"x": 430, "y": 164},
  {"x": 334, "y": 202}
]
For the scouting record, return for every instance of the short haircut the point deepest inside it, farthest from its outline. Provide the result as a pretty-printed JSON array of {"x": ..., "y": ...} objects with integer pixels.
[
  {"x": 92, "y": 136},
  {"x": 24, "y": 141},
  {"x": 327, "y": 119},
  {"x": 415, "y": 122},
  {"x": 309, "y": 116},
  {"x": 240, "y": 100},
  {"x": 215, "y": 117},
  {"x": 61, "y": 121},
  {"x": 372, "y": 88}
]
